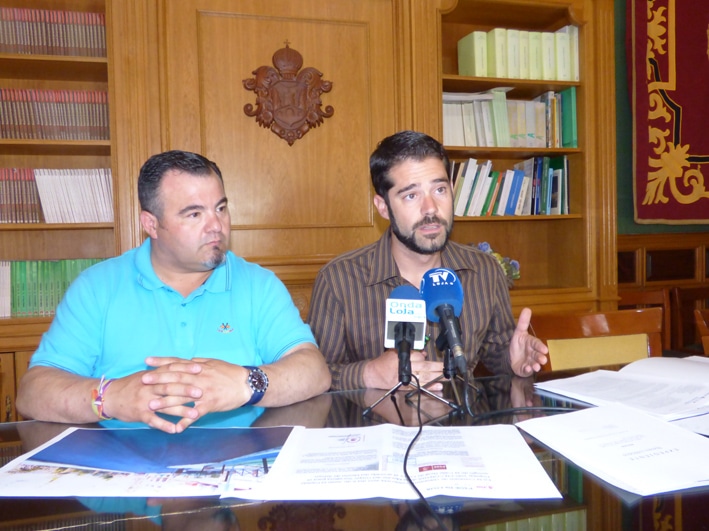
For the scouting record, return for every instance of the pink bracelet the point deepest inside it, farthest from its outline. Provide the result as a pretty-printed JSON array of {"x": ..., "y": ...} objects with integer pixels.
[{"x": 97, "y": 396}]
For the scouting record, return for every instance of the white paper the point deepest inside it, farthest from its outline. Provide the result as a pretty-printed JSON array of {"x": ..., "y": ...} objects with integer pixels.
[
  {"x": 670, "y": 388},
  {"x": 629, "y": 449},
  {"x": 359, "y": 463}
]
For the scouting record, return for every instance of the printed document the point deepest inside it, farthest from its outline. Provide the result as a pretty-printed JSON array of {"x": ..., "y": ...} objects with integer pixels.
[
  {"x": 670, "y": 388},
  {"x": 282, "y": 463},
  {"x": 627, "y": 448},
  {"x": 357, "y": 463}
]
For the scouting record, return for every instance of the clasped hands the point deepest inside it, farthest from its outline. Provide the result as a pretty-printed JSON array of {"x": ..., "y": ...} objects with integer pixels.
[{"x": 188, "y": 389}]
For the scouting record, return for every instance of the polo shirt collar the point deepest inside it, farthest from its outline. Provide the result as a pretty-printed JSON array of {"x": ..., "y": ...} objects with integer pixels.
[{"x": 218, "y": 281}]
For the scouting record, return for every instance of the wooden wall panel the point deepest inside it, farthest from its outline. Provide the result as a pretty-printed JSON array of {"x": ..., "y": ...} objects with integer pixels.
[{"x": 290, "y": 205}]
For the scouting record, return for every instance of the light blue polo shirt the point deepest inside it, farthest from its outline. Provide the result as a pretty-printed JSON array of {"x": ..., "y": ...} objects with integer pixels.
[{"x": 118, "y": 312}]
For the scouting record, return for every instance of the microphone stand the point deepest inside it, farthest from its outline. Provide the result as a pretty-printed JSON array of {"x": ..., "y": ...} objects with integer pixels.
[
  {"x": 450, "y": 372},
  {"x": 403, "y": 348}
]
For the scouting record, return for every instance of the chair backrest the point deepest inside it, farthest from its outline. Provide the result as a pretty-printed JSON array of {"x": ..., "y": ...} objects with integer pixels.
[
  {"x": 684, "y": 302},
  {"x": 622, "y": 326},
  {"x": 701, "y": 318},
  {"x": 647, "y": 298}
]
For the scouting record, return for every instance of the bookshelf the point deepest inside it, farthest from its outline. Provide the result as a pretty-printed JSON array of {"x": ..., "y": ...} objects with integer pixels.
[
  {"x": 43, "y": 70},
  {"x": 564, "y": 259}
]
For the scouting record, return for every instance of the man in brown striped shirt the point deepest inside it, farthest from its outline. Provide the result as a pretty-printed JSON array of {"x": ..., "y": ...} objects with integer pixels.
[{"x": 347, "y": 311}]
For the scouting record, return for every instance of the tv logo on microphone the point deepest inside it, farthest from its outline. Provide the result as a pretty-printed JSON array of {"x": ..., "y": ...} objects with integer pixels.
[{"x": 442, "y": 277}]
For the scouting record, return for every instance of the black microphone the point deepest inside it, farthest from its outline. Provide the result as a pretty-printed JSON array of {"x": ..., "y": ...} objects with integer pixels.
[
  {"x": 404, "y": 339},
  {"x": 405, "y": 326},
  {"x": 443, "y": 294}
]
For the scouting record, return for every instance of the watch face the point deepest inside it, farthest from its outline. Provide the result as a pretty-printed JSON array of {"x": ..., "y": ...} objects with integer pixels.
[{"x": 258, "y": 380}]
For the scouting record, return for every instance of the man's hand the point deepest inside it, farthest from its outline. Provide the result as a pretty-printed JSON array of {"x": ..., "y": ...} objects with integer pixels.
[
  {"x": 137, "y": 398},
  {"x": 213, "y": 385},
  {"x": 527, "y": 353},
  {"x": 383, "y": 372}
]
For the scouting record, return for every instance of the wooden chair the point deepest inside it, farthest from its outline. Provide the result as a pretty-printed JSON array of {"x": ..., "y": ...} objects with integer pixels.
[
  {"x": 684, "y": 331},
  {"x": 614, "y": 337},
  {"x": 647, "y": 298},
  {"x": 701, "y": 319}
]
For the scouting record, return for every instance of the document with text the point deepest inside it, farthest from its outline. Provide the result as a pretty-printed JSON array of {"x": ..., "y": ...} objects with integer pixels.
[
  {"x": 669, "y": 388},
  {"x": 282, "y": 463},
  {"x": 629, "y": 449},
  {"x": 358, "y": 463}
]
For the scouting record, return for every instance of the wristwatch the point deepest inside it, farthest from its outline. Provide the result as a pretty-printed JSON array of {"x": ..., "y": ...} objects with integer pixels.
[{"x": 258, "y": 381}]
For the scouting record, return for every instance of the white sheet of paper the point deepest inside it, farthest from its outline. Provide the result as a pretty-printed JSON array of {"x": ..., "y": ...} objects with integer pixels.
[
  {"x": 360, "y": 463},
  {"x": 670, "y": 388},
  {"x": 627, "y": 448}
]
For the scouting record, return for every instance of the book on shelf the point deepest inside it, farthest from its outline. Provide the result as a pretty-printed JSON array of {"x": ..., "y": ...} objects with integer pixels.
[
  {"x": 470, "y": 136},
  {"x": 453, "y": 132},
  {"x": 513, "y": 52},
  {"x": 569, "y": 127},
  {"x": 482, "y": 185},
  {"x": 559, "y": 167},
  {"x": 52, "y": 32},
  {"x": 524, "y": 54},
  {"x": 487, "y": 122},
  {"x": 493, "y": 193},
  {"x": 545, "y": 192},
  {"x": 562, "y": 54},
  {"x": 548, "y": 46},
  {"x": 535, "y": 55},
  {"x": 497, "y": 52},
  {"x": 515, "y": 192},
  {"x": 471, "y": 167},
  {"x": 456, "y": 172},
  {"x": 500, "y": 119},
  {"x": 503, "y": 194},
  {"x": 524, "y": 207},
  {"x": 572, "y": 35},
  {"x": 472, "y": 54},
  {"x": 551, "y": 116}
]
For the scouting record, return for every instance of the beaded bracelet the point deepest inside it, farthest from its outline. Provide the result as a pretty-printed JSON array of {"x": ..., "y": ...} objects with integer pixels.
[{"x": 97, "y": 396}]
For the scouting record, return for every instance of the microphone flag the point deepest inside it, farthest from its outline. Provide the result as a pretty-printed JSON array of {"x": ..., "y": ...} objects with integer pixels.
[{"x": 405, "y": 305}]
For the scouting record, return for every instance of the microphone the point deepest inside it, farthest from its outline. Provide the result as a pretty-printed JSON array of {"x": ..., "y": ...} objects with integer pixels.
[
  {"x": 443, "y": 294},
  {"x": 405, "y": 326}
]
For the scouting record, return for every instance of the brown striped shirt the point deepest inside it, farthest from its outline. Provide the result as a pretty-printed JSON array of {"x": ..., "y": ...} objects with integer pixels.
[{"x": 347, "y": 311}]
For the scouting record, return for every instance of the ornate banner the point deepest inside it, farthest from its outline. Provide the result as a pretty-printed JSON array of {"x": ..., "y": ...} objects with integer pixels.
[{"x": 668, "y": 59}]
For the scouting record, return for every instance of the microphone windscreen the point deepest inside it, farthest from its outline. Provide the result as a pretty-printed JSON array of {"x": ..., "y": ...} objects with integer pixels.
[
  {"x": 441, "y": 286},
  {"x": 405, "y": 292}
]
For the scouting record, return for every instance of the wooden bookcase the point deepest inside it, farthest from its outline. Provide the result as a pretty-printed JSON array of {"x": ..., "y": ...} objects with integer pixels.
[
  {"x": 565, "y": 263},
  {"x": 42, "y": 241}
]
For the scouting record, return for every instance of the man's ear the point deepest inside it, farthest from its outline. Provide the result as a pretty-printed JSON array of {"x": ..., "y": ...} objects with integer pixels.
[
  {"x": 381, "y": 206},
  {"x": 149, "y": 223}
]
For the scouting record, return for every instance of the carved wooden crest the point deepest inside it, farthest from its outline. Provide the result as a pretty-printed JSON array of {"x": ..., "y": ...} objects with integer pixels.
[{"x": 288, "y": 98}]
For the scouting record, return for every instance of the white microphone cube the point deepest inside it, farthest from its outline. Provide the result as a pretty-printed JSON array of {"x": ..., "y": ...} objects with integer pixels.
[{"x": 405, "y": 311}]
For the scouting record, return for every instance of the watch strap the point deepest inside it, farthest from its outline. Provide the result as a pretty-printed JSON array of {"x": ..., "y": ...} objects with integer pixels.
[{"x": 258, "y": 382}]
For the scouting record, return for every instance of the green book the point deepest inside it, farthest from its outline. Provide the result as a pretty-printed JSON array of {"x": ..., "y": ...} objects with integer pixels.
[
  {"x": 472, "y": 55},
  {"x": 492, "y": 193},
  {"x": 569, "y": 129}
]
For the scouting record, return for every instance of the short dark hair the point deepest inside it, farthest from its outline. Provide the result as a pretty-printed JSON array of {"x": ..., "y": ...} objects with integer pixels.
[
  {"x": 157, "y": 166},
  {"x": 397, "y": 148}
]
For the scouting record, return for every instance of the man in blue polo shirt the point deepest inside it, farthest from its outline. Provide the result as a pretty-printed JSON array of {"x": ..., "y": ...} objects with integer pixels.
[{"x": 178, "y": 326}]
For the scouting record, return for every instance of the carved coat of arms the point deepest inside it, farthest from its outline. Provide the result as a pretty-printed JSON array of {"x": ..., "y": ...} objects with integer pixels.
[{"x": 288, "y": 98}]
